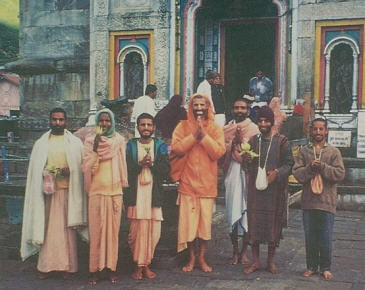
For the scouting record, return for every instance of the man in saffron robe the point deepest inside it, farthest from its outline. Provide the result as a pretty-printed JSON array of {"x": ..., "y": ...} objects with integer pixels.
[
  {"x": 105, "y": 172},
  {"x": 237, "y": 132},
  {"x": 266, "y": 206},
  {"x": 200, "y": 142},
  {"x": 148, "y": 165},
  {"x": 55, "y": 204}
]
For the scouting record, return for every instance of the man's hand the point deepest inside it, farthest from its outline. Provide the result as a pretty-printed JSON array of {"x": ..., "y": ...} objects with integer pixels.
[
  {"x": 316, "y": 165},
  {"x": 65, "y": 172},
  {"x": 146, "y": 161},
  {"x": 96, "y": 143},
  {"x": 200, "y": 132},
  {"x": 247, "y": 157},
  {"x": 237, "y": 136},
  {"x": 272, "y": 175}
]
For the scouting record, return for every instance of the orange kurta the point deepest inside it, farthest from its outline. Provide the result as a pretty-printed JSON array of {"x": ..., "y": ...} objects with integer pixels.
[{"x": 198, "y": 180}]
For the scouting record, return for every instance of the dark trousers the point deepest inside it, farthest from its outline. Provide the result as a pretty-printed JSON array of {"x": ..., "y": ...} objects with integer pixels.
[{"x": 318, "y": 228}]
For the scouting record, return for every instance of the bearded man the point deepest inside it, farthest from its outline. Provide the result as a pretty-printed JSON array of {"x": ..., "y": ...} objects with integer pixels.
[
  {"x": 200, "y": 142},
  {"x": 148, "y": 166},
  {"x": 267, "y": 190},
  {"x": 237, "y": 132},
  {"x": 54, "y": 203}
]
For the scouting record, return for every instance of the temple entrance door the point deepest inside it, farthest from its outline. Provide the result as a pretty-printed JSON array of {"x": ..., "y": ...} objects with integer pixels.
[{"x": 247, "y": 47}]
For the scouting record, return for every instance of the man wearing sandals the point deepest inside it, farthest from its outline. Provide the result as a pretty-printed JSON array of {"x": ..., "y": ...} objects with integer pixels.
[
  {"x": 55, "y": 203},
  {"x": 319, "y": 167},
  {"x": 266, "y": 201}
]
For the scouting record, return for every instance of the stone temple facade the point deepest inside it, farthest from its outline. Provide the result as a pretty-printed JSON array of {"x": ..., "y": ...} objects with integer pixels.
[{"x": 75, "y": 53}]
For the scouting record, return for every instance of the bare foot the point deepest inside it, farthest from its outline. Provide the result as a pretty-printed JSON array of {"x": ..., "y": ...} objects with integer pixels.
[
  {"x": 234, "y": 260},
  {"x": 251, "y": 269},
  {"x": 148, "y": 273},
  {"x": 244, "y": 259},
  {"x": 204, "y": 266},
  {"x": 309, "y": 273},
  {"x": 43, "y": 276},
  {"x": 272, "y": 268},
  {"x": 93, "y": 280},
  {"x": 327, "y": 275},
  {"x": 137, "y": 275},
  {"x": 113, "y": 277},
  {"x": 189, "y": 267},
  {"x": 67, "y": 275}
]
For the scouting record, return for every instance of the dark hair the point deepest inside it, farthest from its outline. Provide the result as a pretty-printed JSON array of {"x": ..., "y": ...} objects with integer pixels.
[
  {"x": 241, "y": 99},
  {"x": 319, "y": 119},
  {"x": 150, "y": 89},
  {"x": 145, "y": 116},
  {"x": 58, "y": 110},
  {"x": 210, "y": 74}
]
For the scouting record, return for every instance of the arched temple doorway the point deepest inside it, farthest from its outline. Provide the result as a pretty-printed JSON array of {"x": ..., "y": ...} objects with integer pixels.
[{"x": 235, "y": 37}]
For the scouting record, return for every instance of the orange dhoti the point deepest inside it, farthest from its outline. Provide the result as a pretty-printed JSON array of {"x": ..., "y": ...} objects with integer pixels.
[
  {"x": 195, "y": 219},
  {"x": 144, "y": 235},
  {"x": 59, "y": 250},
  {"x": 104, "y": 223}
]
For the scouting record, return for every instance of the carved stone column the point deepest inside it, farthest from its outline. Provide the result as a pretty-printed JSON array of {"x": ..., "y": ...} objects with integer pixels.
[
  {"x": 326, "y": 106},
  {"x": 354, "y": 83}
]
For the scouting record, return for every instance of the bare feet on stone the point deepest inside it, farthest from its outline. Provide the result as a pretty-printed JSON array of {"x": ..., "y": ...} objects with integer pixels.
[
  {"x": 234, "y": 260},
  {"x": 189, "y": 267},
  {"x": 327, "y": 275},
  {"x": 309, "y": 273},
  {"x": 148, "y": 273},
  {"x": 137, "y": 275},
  {"x": 272, "y": 268},
  {"x": 244, "y": 259},
  {"x": 204, "y": 266},
  {"x": 251, "y": 269},
  {"x": 43, "y": 276}
]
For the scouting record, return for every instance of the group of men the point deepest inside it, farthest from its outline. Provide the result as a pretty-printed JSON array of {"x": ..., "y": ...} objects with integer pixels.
[{"x": 114, "y": 173}]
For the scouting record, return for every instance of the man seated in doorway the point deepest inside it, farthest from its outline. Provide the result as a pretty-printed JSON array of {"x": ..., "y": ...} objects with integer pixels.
[{"x": 261, "y": 87}]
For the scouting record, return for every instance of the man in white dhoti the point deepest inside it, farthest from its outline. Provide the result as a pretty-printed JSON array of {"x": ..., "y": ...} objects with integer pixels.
[{"x": 236, "y": 132}]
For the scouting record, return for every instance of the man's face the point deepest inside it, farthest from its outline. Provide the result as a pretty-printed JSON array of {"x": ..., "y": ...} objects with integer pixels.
[
  {"x": 58, "y": 123},
  {"x": 217, "y": 80},
  {"x": 319, "y": 131},
  {"x": 211, "y": 81},
  {"x": 240, "y": 111},
  {"x": 153, "y": 94},
  {"x": 259, "y": 74},
  {"x": 200, "y": 108},
  {"x": 264, "y": 125},
  {"x": 105, "y": 122},
  {"x": 145, "y": 128}
]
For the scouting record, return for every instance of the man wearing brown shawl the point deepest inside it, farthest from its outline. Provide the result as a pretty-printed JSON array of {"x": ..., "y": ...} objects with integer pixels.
[
  {"x": 266, "y": 206},
  {"x": 236, "y": 132},
  {"x": 105, "y": 171}
]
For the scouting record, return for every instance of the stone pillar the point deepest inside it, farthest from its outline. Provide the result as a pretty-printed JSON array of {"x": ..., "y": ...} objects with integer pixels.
[
  {"x": 326, "y": 106},
  {"x": 355, "y": 83}
]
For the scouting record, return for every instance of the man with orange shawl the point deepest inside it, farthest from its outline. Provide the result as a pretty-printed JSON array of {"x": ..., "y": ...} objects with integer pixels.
[
  {"x": 105, "y": 173},
  {"x": 148, "y": 166},
  {"x": 200, "y": 142},
  {"x": 237, "y": 132}
]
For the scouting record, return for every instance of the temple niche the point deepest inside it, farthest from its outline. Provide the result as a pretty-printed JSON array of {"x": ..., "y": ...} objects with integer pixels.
[
  {"x": 341, "y": 80},
  {"x": 133, "y": 79}
]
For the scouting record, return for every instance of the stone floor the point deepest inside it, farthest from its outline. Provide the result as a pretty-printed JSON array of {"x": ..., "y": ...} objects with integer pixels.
[{"x": 348, "y": 263}]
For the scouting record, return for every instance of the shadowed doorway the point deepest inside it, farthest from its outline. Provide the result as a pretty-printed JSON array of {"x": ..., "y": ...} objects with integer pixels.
[{"x": 247, "y": 47}]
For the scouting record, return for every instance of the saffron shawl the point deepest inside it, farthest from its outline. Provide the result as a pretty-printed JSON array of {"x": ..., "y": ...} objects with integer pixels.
[
  {"x": 109, "y": 148},
  {"x": 33, "y": 230}
]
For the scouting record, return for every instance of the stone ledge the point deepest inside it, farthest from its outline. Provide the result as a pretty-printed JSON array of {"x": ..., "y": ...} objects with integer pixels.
[{"x": 48, "y": 65}]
